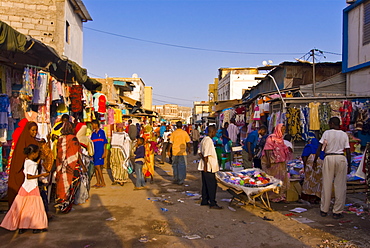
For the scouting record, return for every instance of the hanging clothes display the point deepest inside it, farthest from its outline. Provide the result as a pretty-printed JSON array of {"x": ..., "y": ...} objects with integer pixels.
[
  {"x": 335, "y": 106},
  {"x": 76, "y": 98},
  {"x": 5, "y": 112},
  {"x": 40, "y": 91},
  {"x": 324, "y": 115},
  {"x": 304, "y": 121},
  {"x": 293, "y": 122},
  {"x": 240, "y": 116},
  {"x": 345, "y": 112},
  {"x": 314, "y": 115}
]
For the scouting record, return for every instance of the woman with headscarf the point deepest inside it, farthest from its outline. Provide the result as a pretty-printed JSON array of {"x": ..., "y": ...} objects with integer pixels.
[
  {"x": 274, "y": 158},
  {"x": 16, "y": 175},
  {"x": 15, "y": 136},
  {"x": 119, "y": 156},
  {"x": 86, "y": 153},
  {"x": 69, "y": 168},
  {"x": 312, "y": 176}
]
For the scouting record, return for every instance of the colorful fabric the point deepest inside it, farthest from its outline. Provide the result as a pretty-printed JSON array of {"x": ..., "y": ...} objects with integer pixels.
[
  {"x": 312, "y": 183},
  {"x": 148, "y": 168},
  {"x": 324, "y": 115},
  {"x": 66, "y": 163}
]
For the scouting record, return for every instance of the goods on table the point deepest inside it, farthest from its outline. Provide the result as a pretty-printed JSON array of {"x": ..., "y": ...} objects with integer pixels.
[{"x": 247, "y": 178}]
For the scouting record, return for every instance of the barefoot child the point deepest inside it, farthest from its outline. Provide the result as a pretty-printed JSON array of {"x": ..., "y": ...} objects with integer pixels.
[{"x": 27, "y": 210}]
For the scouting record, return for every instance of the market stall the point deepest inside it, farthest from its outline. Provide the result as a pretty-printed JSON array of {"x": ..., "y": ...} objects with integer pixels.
[{"x": 249, "y": 184}]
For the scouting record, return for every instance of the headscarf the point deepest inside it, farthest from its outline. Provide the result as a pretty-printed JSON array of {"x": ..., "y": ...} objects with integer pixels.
[
  {"x": 16, "y": 175},
  {"x": 67, "y": 128},
  {"x": 275, "y": 142},
  {"x": 277, "y": 136},
  {"x": 311, "y": 148},
  {"x": 78, "y": 126},
  {"x": 119, "y": 125},
  {"x": 18, "y": 131},
  {"x": 15, "y": 136}
]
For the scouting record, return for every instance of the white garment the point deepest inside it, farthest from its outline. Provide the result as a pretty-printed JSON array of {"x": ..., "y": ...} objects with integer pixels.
[
  {"x": 118, "y": 138},
  {"x": 337, "y": 141},
  {"x": 166, "y": 135},
  {"x": 233, "y": 131},
  {"x": 288, "y": 144},
  {"x": 43, "y": 129},
  {"x": 30, "y": 167},
  {"x": 207, "y": 149},
  {"x": 40, "y": 92}
]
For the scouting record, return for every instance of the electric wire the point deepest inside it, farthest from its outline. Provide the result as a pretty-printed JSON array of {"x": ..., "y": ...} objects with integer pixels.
[{"x": 186, "y": 47}]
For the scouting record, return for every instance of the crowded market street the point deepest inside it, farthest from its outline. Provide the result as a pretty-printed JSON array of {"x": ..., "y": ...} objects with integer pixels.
[{"x": 165, "y": 216}]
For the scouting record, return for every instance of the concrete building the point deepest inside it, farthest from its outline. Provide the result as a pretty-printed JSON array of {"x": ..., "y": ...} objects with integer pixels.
[
  {"x": 57, "y": 23},
  {"x": 200, "y": 111},
  {"x": 356, "y": 47},
  {"x": 148, "y": 97},
  {"x": 232, "y": 82},
  {"x": 173, "y": 112},
  {"x": 138, "y": 93},
  {"x": 212, "y": 95}
]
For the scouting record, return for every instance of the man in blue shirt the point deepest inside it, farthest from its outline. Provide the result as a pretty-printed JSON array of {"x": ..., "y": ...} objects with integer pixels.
[
  {"x": 249, "y": 144},
  {"x": 100, "y": 152}
]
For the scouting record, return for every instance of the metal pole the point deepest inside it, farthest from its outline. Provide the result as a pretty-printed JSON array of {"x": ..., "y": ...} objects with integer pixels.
[
  {"x": 313, "y": 73},
  {"x": 282, "y": 99}
]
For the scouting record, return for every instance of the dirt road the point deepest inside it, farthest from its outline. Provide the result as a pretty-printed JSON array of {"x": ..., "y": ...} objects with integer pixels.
[{"x": 168, "y": 215}]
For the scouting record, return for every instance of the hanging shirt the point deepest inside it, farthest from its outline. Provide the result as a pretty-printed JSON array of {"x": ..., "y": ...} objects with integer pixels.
[
  {"x": 314, "y": 116},
  {"x": 40, "y": 92},
  {"x": 76, "y": 98}
]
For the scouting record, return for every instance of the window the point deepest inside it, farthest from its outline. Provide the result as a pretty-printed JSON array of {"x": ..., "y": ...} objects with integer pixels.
[
  {"x": 366, "y": 37},
  {"x": 68, "y": 32}
]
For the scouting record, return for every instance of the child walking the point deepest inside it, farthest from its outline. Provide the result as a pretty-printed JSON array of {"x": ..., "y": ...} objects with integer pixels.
[
  {"x": 139, "y": 162},
  {"x": 27, "y": 210}
]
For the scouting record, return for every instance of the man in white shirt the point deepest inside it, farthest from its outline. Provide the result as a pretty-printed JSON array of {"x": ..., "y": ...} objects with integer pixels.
[
  {"x": 335, "y": 167},
  {"x": 208, "y": 165}
]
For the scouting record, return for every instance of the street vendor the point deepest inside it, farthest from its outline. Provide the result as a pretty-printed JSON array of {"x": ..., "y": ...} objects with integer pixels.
[{"x": 249, "y": 145}]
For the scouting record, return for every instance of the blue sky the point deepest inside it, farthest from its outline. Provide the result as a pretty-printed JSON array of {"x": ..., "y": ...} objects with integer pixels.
[{"x": 288, "y": 27}]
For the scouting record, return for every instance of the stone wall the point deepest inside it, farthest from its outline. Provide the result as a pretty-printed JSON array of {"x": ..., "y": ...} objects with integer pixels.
[{"x": 44, "y": 20}]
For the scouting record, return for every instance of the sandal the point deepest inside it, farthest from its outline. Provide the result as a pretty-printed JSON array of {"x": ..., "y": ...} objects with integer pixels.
[{"x": 323, "y": 214}]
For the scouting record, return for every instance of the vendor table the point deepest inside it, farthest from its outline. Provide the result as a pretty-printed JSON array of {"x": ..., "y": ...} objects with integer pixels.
[{"x": 248, "y": 194}]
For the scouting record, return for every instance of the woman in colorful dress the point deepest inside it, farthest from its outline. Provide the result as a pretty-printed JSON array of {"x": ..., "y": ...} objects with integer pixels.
[
  {"x": 16, "y": 175},
  {"x": 274, "y": 158},
  {"x": 150, "y": 148},
  {"x": 312, "y": 183},
  {"x": 69, "y": 168},
  {"x": 119, "y": 155}
]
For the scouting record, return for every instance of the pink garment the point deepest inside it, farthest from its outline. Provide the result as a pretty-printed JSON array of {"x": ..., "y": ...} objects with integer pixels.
[
  {"x": 26, "y": 212},
  {"x": 110, "y": 116},
  {"x": 275, "y": 142}
]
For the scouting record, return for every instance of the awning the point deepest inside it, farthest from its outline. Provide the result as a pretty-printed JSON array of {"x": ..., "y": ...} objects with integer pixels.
[
  {"x": 128, "y": 100},
  {"x": 19, "y": 51},
  {"x": 126, "y": 86}
]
